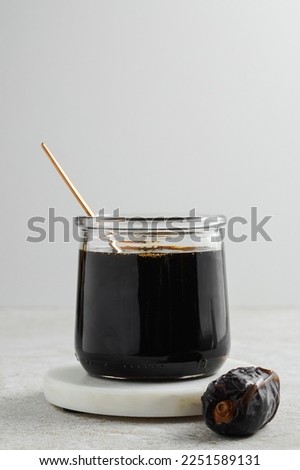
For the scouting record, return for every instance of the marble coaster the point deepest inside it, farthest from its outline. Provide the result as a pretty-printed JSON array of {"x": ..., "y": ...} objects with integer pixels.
[{"x": 70, "y": 387}]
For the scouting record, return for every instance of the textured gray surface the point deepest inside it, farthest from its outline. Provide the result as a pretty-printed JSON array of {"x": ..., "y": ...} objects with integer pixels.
[{"x": 32, "y": 341}]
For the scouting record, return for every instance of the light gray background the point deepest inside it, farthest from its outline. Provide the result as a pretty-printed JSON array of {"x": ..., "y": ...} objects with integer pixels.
[{"x": 150, "y": 105}]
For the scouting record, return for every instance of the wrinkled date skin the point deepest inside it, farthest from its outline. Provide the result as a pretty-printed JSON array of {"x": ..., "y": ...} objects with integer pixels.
[{"x": 242, "y": 401}]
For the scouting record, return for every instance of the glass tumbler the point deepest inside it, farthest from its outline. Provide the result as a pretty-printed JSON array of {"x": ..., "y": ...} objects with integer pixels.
[{"x": 152, "y": 297}]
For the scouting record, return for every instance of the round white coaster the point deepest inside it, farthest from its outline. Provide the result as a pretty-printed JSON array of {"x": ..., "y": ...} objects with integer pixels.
[{"x": 70, "y": 387}]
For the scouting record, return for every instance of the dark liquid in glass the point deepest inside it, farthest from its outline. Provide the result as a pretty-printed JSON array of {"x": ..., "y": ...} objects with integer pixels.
[{"x": 152, "y": 316}]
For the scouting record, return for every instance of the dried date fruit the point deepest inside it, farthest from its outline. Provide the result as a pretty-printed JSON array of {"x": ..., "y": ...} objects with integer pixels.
[{"x": 242, "y": 401}]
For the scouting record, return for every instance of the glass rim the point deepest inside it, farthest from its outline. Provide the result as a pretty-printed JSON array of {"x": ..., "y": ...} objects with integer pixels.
[{"x": 121, "y": 222}]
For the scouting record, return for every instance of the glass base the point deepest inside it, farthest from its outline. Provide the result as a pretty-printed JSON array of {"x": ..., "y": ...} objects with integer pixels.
[{"x": 148, "y": 369}]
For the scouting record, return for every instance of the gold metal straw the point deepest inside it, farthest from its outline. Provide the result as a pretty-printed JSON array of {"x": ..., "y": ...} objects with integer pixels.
[{"x": 67, "y": 180}]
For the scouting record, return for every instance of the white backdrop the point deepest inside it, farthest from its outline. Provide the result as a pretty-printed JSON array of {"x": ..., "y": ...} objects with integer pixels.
[{"x": 150, "y": 105}]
